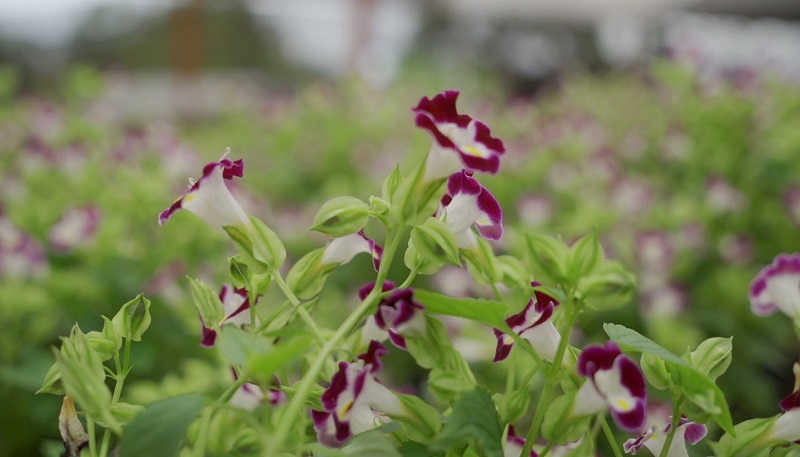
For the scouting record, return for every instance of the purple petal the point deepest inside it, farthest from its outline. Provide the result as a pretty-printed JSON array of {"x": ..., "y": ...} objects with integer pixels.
[
  {"x": 695, "y": 432},
  {"x": 631, "y": 421},
  {"x": 504, "y": 345},
  {"x": 792, "y": 401},
  {"x": 597, "y": 357},
  {"x": 631, "y": 377},
  {"x": 373, "y": 356}
]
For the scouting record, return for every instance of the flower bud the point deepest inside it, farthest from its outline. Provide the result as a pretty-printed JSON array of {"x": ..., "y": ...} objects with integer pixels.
[
  {"x": 436, "y": 242},
  {"x": 341, "y": 216},
  {"x": 133, "y": 319},
  {"x": 712, "y": 357}
]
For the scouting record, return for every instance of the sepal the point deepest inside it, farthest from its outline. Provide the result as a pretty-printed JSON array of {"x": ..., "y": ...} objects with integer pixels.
[
  {"x": 416, "y": 261},
  {"x": 258, "y": 246},
  {"x": 436, "y": 242},
  {"x": 609, "y": 286},
  {"x": 712, "y": 357},
  {"x": 207, "y": 302},
  {"x": 482, "y": 264},
  {"x": 341, "y": 216},
  {"x": 133, "y": 319}
]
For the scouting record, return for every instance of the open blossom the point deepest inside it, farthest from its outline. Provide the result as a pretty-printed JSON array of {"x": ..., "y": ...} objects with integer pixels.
[
  {"x": 787, "y": 427},
  {"x": 235, "y": 302},
  {"x": 655, "y": 439},
  {"x": 458, "y": 140},
  {"x": 398, "y": 314},
  {"x": 343, "y": 249},
  {"x": 355, "y": 401},
  {"x": 776, "y": 287},
  {"x": 614, "y": 382},
  {"x": 75, "y": 228},
  {"x": 467, "y": 203},
  {"x": 209, "y": 197},
  {"x": 532, "y": 323}
]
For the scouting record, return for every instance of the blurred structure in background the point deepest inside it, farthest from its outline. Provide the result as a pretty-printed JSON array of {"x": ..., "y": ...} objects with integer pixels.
[{"x": 288, "y": 41}]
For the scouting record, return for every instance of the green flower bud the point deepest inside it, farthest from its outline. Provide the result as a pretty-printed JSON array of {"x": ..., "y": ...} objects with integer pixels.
[
  {"x": 482, "y": 263},
  {"x": 435, "y": 241},
  {"x": 258, "y": 246},
  {"x": 308, "y": 275},
  {"x": 712, "y": 357},
  {"x": 207, "y": 302},
  {"x": 378, "y": 205},
  {"x": 106, "y": 343},
  {"x": 133, "y": 319},
  {"x": 514, "y": 405},
  {"x": 751, "y": 440},
  {"x": 341, "y": 216},
  {"x": 549, "y": 257},
  {"x": 655, "y": 370},
  {"x": 423, "y": 265},
  {"x": 124, "y": 412},
  {"x": 584, "y": 256},
  {"x": 609, "y": 286}
]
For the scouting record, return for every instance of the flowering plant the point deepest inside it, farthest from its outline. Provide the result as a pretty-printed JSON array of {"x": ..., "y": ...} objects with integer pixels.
[{"x": 301, "y": 388}]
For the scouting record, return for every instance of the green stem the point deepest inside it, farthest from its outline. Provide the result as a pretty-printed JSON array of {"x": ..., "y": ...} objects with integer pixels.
[
  {"x": 552, "y": 375},
  {"x": 676, "y": 418},
  {"x": 546, "y": 449},
  {"x": 411, "y": 276},
  {"x": 119, "y": 381},
  {"x": 90, "y": 430},
  {"x": 301, "y": 310},
  {"x": 202, "y": 436},
  {"x": 289, "y": 418},
  {"x": 610, "y": 436}
]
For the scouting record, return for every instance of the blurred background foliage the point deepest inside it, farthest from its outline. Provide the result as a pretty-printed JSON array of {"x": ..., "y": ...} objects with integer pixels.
[{"x": 688, "y": 171}]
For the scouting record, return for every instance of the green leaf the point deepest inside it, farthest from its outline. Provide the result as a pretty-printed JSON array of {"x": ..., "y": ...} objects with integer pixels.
[
  {"x": 238, "y": 345},
  {"x": 477, "y": 309},
  {"x": 415, "y": 449},
  {"x": 697, "y": 388},
  {"x": 370, "y": 444},
  {"x": 749, "y": 439},
  {"x": 159, "y": 430},
  {"x": 632, "y": 340},
  {"x": 474, "y": 419},
  {"x": 265, "y": 364}
]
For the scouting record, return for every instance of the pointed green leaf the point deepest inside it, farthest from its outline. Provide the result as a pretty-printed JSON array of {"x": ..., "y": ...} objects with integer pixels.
[
  {"x": 474, "y": 419},
  {"x": 487, "y": 311}
]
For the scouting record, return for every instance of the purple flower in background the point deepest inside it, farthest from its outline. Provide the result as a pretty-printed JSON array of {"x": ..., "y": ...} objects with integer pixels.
[
  {"x": 614, "y": 382},
  {"x": 664, "y": 300},
  {"x": 791, "y": 201},
  {"x": 355, "y": 401},
  {"x": 234, "y": 302},
  {"x": 654, "y": 251},
  {"x": 209, "y": 197},
  {"x": 467, "y": 203},
  {"x": 535, "y": 209},
  {"x": 75, "y": 228},
  {"x": 249, "y": 396},
  {"x": 342, "y": 250},
  {"x": 398, "y": 314},
  {"x": 21, "y": 256},
  {"x": 532, "y": 323},
  {"x": 459, "y": 141},
  {"x": 722, "y": 197},
  {"x": 775, "y": 287},
  {"x": 655, "y": 439}
]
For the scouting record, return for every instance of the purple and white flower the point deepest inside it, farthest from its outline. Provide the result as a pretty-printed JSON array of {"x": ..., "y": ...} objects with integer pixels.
[
  {"x": 209, "y": 197},
  {"x": 787, "y": 427},
  {"x": 234, "y": 302},
  {"x": 654, "y": 439},
  {"x": 614, "y": 382},
  {"x": 342, "y": 250},
  {"x": 459, "y": 141},
  {"x": 398, "y": 314},
  {"x": 775, "y": 287},
  {"x": 75, "y": 228},
  {"x": 534, "y": 324},
  {"x": 654, "y": 251},
  {"x": 355, "y": 401},
  {"x": 515, "y": 444},
  {"x": 467, "y": 203}
]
